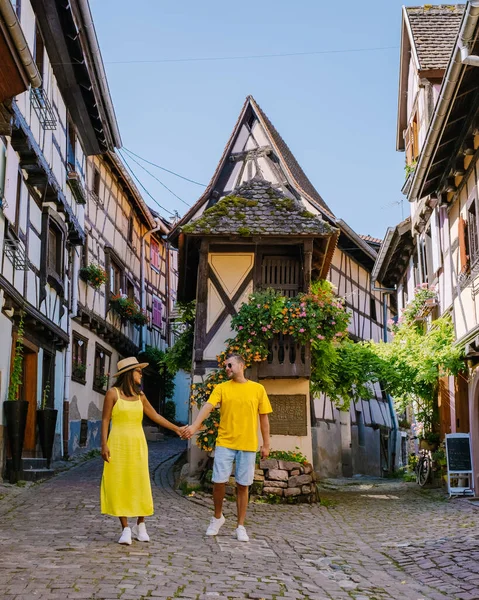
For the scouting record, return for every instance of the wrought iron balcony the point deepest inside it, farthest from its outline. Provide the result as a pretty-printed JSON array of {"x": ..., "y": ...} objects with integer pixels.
[
  {"x": 15, "y": 252},
  {"x": 43, "y": 108},
  {"x": 286, "y": 358}
]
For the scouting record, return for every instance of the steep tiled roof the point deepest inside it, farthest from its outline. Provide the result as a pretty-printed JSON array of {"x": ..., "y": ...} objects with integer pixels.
[
  {"x": 292, "y": 164},
  {"x": 256, "y": 208},
  {"x": 434, "y": 29},
  {"x": 370, "y": 239}
]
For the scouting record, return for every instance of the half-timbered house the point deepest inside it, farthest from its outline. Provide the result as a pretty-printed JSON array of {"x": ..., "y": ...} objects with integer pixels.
[
  {"x": 125, "y": 241},
  {"x": 438, "y": 107},
  {"x": 55, "y": 125},
  {"x": 254, "y": 247}
]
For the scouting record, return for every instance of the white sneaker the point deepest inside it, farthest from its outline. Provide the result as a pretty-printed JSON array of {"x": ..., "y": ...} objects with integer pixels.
[
  {"x": 125, "y": 538},
  {"x": 241, "y": 534},
  {"x": 139, "y": 532},
  {"x": 215, "y": 525}
]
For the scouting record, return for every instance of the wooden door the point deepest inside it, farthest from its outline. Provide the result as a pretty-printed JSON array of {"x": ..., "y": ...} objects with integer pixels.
[{"x": 30, "y": 368}]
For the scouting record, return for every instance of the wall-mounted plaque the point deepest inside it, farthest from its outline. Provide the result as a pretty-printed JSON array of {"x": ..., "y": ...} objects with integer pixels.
[{"x": 289, "y": 415}]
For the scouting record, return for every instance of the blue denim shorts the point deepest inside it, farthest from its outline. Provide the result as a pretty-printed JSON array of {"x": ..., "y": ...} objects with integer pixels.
[{"x": 223, "y": 465}]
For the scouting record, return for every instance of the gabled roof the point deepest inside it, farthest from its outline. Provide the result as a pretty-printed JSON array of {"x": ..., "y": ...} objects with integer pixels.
[
  {"x": 428, "y": 34},
  {"x": 296, "y": 171},
  {"x": 394, "y": 255},
  {"x": 434, "y": 30},
  {"x": 371, "y": 240},
  {"x": 256, "y": 208},
  {"x": 285, "y": 164}
]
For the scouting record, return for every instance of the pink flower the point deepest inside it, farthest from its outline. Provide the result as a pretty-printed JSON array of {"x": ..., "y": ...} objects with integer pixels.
[
  {"x": 264, "y": 328},
  {"x": 333, "y": 322},
  {"x": 320, "y": 337},
  {"x": 303, "y": 304},
  {"x": 269, "y": 326},
  {"x": 240, "y": 327},
  {"x": 301, "y": 330},
  {"x": 250, "y": 340}
]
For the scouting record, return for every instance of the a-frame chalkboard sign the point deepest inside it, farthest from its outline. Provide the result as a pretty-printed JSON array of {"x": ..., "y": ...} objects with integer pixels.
[{"x": 459, "y": 464}]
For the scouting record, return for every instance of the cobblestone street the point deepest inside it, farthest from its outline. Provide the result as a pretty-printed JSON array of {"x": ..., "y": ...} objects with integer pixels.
[{"x": 369, "y": 540}]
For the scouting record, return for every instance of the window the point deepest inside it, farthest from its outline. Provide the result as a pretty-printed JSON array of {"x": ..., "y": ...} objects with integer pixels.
[
  {"x": 130, "y": 289},
  {"x": 101, "y": 375},
  {"x": 156, "y": 312},
  {"x": 411, "y": 137},
  {"x": 71, "y": 142},
  {"x": 372, "y": 308},
  {"x": 131, "y": 224},
  {"x": 79, "y": 358},
  {"x": 116, "y": 277},
  {"x": 281, "y": 273},
  {"x": 55, "y": 249},
  {"x": 155, "y": 254},
  {"x": 472, "y": 233},
  {"x": 95, "y": 184}
]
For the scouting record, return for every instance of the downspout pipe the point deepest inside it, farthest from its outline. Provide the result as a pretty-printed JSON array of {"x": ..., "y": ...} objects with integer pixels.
[
  {"x": 8, "y": 14},
  {"x": 160, "y": 226},
  {"x": 460, "y": 57},
  {"x": 392, "y": 411}
]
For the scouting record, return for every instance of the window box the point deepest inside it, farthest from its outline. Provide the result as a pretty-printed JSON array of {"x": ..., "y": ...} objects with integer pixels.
[{"x": 128, "y": 310}]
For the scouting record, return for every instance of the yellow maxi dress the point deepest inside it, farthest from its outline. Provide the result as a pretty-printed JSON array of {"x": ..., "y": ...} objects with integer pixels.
[{"x": 125, "y": 485}]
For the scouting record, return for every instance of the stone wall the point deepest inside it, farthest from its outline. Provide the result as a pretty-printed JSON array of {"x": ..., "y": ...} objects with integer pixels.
[{"x": 290, "y": 481}]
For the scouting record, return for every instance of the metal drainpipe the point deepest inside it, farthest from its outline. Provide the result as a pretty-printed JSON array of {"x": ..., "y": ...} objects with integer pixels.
[
  {"x": 159, "y": 227},
  {"x": 463, "y": 43},
  {"x": 167, "y": 292},
  {"x": 392, "y": 411}
]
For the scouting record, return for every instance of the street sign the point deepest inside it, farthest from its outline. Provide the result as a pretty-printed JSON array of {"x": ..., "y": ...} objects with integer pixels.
[{"x": 459, "y": 464}]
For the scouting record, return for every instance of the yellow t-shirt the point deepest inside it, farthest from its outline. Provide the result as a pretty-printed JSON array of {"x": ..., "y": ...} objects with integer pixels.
[{"x": 240, "y": 404}]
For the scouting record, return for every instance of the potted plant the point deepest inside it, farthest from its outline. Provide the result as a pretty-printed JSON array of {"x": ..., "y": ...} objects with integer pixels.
[
  {"x": 94, "y": 275},
  {"x": 47, "y": 421},
  {"x": 430, "y": 441},
  {"x": 101, "y": 381},
  {"x": 79, "y": 369},
  {"x": 16, "y": 409},
  {"x": 127, "y": 309}
]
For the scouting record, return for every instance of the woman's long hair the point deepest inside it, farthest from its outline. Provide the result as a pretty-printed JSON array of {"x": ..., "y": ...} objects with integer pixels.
[{"x": 126, "y": 384}]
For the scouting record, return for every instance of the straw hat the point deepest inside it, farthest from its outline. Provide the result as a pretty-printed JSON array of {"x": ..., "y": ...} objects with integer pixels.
[{"x": 127, "y": 364}]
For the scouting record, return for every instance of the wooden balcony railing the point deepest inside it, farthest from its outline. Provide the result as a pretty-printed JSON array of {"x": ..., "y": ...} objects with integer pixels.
[{"x": 287, "y": 358}]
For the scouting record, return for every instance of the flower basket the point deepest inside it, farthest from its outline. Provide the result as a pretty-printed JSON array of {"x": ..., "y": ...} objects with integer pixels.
[
  {"x": 94, "y": 275},
  {"x": 425, "y": 445},
  {"x": 128, "y": 310}
]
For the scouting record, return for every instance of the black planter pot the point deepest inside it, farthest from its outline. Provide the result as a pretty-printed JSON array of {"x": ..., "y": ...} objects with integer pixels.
[
  {"x": 16, "y": 415},
  {"x": 47, "y": 421}
]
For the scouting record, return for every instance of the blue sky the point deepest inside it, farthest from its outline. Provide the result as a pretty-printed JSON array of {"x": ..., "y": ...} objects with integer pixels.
[{"x": 336, "y": 111}]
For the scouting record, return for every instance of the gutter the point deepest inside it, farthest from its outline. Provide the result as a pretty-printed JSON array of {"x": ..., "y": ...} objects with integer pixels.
[
  {"x": 89, "y": 29},
  {"x": 16, "y": 33},
  {"x": 453, "y": 74}
]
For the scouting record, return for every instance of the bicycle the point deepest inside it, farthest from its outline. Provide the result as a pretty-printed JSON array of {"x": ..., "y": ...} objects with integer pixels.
[{"x": 424, "y": 467}]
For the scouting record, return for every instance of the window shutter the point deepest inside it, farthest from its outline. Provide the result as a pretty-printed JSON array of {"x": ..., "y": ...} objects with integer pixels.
[
  {"x": 156, "y": 309},
  {"x": 464, "y": 258},
  {"x": 435, "y": 243},
  {"x": 154, "y": 255}
]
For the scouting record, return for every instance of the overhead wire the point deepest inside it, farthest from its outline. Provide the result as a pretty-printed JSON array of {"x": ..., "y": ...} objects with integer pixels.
[
  {"x": 143, "y": 187},
  {"x": 158, "y": 180},
  {"x": 163, "y": 168},
  {"x": 248, "y": 56}
]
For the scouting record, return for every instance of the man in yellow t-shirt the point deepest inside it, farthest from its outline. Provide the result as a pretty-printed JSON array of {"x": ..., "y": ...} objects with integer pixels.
[{"x": 241, "y": 401}]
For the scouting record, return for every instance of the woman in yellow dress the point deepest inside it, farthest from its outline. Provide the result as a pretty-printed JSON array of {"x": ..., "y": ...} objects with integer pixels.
[{"x": 125, "y": 485}]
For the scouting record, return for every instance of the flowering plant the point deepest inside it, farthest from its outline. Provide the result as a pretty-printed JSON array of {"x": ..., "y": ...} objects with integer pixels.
[
  {"x": 102, "y": 381},
  {"x": 128, "y": 309},
  {"x": 79, "y": 368},
  {"x": 309, "y": 318},
  {"x": 94, "y": 274},
  {"x": 423, "y": 295},
  {"x": 316, "y": 318},
  {"x": 200, "y": 392}
]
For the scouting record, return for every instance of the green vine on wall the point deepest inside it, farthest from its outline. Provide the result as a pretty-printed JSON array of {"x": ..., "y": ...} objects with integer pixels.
[{"x": 17, "y": 368}]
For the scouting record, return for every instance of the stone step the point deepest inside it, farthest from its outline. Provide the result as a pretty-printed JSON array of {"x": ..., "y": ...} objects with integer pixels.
[
  {"x": 153, "y": 434},
  {"x": 33, "y": 469}
]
